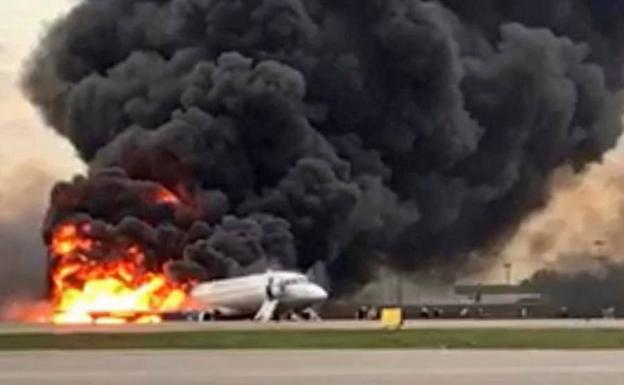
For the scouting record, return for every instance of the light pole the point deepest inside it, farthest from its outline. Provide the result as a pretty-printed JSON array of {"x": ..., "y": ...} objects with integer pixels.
[
  {"x": 399, "y": 289},
  {"x": 507, "y": 266}
]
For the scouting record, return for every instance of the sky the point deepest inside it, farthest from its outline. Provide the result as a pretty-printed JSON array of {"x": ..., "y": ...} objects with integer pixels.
[
  {"x": 21, "y": 25},
  {"x": 32, "y": 157},
  {"x": 25, "y": 139}
]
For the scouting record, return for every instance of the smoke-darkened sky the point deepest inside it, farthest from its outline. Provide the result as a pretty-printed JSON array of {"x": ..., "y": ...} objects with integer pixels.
[{"x": 414, "y": 131}]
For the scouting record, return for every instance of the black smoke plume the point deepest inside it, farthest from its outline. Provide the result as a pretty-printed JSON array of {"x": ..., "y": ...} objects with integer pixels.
[{"x": 339, "y": 132}]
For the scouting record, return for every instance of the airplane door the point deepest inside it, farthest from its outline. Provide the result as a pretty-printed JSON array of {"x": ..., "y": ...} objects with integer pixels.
[
  {"x": 269, "y": 289},
  {"x": 274, "y": 290}
]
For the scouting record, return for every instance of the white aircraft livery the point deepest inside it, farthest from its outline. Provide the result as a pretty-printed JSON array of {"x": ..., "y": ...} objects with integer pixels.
[{"x": 261, "y": 296}]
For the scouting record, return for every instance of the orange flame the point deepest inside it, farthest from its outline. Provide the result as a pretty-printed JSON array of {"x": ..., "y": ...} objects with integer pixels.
[
  {"x": 88, "y": 291},
  {"x": 164, "y": 196}
]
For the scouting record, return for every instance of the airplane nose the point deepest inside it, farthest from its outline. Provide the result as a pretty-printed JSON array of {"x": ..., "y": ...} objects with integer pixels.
[{"x": 318, "y": 293}]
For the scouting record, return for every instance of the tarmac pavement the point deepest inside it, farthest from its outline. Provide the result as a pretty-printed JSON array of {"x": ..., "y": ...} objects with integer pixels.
[
  {"x": 313, "y": 368},
  {"x": 322, "y": 325}
]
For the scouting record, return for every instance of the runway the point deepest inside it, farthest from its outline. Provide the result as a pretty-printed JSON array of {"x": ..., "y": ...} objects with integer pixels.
[
  {"x": 312, "y": 368},
  {"x": 322, "y": 325}
]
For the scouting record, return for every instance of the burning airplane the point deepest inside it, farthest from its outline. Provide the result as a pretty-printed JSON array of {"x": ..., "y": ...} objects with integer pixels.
[{"x": 226, "y": 137}]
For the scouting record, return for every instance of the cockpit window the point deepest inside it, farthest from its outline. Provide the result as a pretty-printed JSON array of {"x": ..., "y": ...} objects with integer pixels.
[{"x": 292, "y": 281}]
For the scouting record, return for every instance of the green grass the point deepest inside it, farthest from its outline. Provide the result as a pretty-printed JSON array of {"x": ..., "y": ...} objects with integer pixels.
[{"x": 325, "y": 339}]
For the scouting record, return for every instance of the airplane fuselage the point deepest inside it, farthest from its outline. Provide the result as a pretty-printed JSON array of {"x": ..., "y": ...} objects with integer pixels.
[{"x": 244, "y": 296}]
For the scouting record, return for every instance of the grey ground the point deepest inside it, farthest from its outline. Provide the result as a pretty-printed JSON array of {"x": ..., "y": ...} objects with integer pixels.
[
  {"x": 323, "y": 325},
  {"x": 313, "y": 367}
]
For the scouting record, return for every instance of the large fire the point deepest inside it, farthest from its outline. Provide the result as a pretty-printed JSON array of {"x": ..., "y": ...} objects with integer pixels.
[{"x": 119, "y": 290}]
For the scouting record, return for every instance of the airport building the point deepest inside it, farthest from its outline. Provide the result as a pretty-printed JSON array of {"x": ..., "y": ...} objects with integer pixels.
[{"x": 429, "y": 300}]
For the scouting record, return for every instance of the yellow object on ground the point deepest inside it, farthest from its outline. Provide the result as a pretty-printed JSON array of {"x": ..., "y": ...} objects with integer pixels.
[{"x": 392, "y": 318}]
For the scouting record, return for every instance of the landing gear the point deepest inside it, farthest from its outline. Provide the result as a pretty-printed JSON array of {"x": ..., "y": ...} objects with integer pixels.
[
  {"x": 207, "y": 316},
  {"x": 307, "y": 314},
  {"x": 204, "y": 317},
  {"x": 310, "y": 314}
]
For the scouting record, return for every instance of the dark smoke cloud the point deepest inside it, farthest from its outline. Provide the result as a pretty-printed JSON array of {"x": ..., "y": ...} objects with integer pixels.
[
  {"x": 120, "y": 212},
  {"x": 307, "y": 131}
]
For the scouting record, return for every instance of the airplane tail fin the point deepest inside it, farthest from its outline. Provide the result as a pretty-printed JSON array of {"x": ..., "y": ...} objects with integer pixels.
[{"x": 319, "y": 275}]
